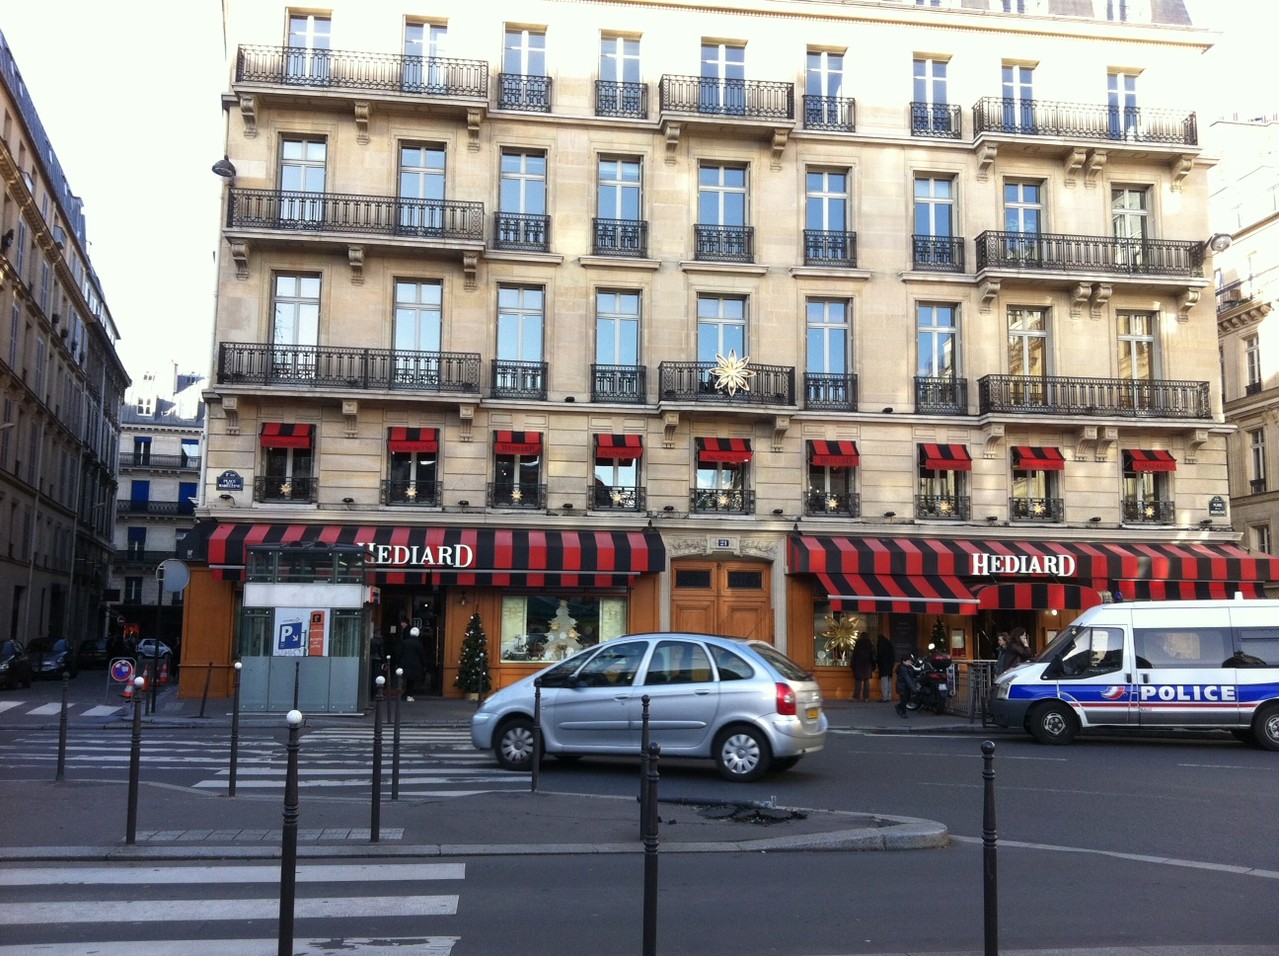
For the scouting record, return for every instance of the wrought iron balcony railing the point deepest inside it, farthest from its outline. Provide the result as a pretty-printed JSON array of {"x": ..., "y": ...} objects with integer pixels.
[
  {"x": 1048, "y": 510},
  {"x": 833, "y": 390},
  {"x": 267, "y": 488},
  {"x": 314, "y": 366},
  {"x": 941, "y": 395},
  {"x": 626, "y": 100},
  {"x": 409, "y": 491},
  {"x": 132, "y": 557},
  {"x": 1257, "y": 486},
  {"x": 935, "y": 119},
  {"x": 345, "y": 70},
  {"x": 837, "y": 505},
  {"x": 1252, "y": 388},
  {"x": 695, "y": 382},
  {"x": 619, "y": 383},
  {"x": 999, "y": 114},
  {"x": 1061, "y": 253},
  {"x": 518, "y": 91},
  {"x": 830, "y": 112},
  {"x": 1067, "y": 395},
  {"x": 519, "y": 380},
  {"x": 155, "y": 508},
  {"x": 724, "y": 243},
  {"x": 349, "y": 213},
  {"x": 1148, "y": 511},
  {"x": 938, "y": 253},
  {"x": 604, "y": 497},
  {"x": 505, "y": 494},
  {"x": 521, "y": 232},
  {"x": 824, "y": 247},
  {"x": 620, "y": 237},
  {"x": 748, "y": 99},
  {"x": 1233, "y": 294},
  {"x": 944, "y": 507},
  {"x": 721, "y": 500},
  {"x": 130, "y": 460}
]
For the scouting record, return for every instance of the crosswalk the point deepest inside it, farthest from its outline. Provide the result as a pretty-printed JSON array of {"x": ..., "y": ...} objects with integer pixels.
[
  {"x": 60, "y": 910},
  {"x": 54, "y": 708}
]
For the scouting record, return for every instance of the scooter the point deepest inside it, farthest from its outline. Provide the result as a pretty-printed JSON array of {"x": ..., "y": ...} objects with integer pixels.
[{"x": 931, "y": 681}]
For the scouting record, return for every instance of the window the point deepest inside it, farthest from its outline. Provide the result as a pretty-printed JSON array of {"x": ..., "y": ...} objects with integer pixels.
[
  {"x": 1130, "y": 215},
  {"x": 413, "y": 469},
  {"x": 617, "y": 328},
  {"x": 137, "y": 542},
  {"x": 132, "y": 590},
  {"x": 942, "y": 492},
  {"x": 721, "y": 328},
  {"x": 1252, "y": 364},
  {"x": 929, "y": 109},
  {"x": 1137, "y": 346},
  {"x": 287, "y": 465},
  {"x": 141, "y": 450},
  {"x": 619, "y": 203},
  {"x": 616, "y": 482},
  {"x": 1125, "y": 11},
  {"x": 1121, "y": 98},
  {"x": 422, "y": 190},
  {"x": 295, "y": 326},
  {"x": 1146, "y": 497},
  {"x": 1028, "y": 351},
  {"x": 518, "y": 369},
  {"x": 720, "y": 479},
  {"x": 1035, "y": 494},
  {"x": 721, "y": 213},
  {"x": 1181, "y": 646},
  {"x": 523, "y": 83},
  {"x": 1023, "y": 217},
  {"x": 190, "y": 453},
  {"x": 935, "y": 223},
  {"x": 423, "y": 50},
  {"x": 1257, "y": 460},
  {"x": 723, "y": 85},
  {"x": 521, "y": 218},
  {"x": 827, "y": 238},
  {"x": 1259, "y": 538},
  {"x": 1019, "y": 98},
  {"x": 827, "y": 353},
  {"x": 832, "y": 476},
  {"x": 937, "y": 341},
  {"x": 544, "y": 627},
  {"x": 302, "y": 181},
  {"x": 307, "y": 61},
  {"x": 517, "y": 470},
  {"x": 418, "y": 321},
  {"x": 1091, "y": 651},
  {"x": 825, "y": 105},
  {"x": 619, "y": 91}
]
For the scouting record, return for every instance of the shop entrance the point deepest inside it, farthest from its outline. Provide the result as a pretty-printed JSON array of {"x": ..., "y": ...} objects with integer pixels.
[
  {"x": 422, "y": 608},
  {"x": 722, "y": 597}
]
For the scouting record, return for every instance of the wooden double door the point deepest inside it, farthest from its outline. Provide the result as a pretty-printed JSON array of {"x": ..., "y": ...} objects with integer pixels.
[{"x": 731, "y": 598}]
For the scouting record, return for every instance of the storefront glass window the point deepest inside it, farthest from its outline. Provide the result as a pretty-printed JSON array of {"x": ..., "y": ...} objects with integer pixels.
[
  {"x": 542, "y": 628},
  {"x": 833, "y": 630},
  {"x": 257, "y": 632}
]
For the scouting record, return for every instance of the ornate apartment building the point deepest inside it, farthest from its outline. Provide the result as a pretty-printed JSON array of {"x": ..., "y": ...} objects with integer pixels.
[
  {"x": 60, "y": 388},
  {"x": 669, "y": 315}
]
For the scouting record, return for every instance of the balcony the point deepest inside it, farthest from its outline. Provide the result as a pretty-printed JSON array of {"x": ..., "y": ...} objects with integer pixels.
[
  {"x": 1252, "y": 388},
  {"x": 724, "y": 243},
  {"x": 696, "y": 382},
  {"x": 529, "y": 94},
  {"x": 519, "y": 380},
  {"x": 1041, "y": 510},
  {"x": 620, "y": 237},
  {"x": 731, "y": 501},
  {"x": 711, "y": 96},
  {"x": 937, "y": 253},
  {"x": 408, "y": 491},
  {"x": 1257, "y": 486},
  {"x": 285, "y": 490},
  {"x": 154, "y": 462},
  {"x": 627, "y": 384},
  {"x": 524, "y": 497},
  {"x": 416, "y": 76},
  {"x": 621, "y": 100},
  {"x": 938, "y": 120},
  {"x": 941, "y": 395},
  {"x": 604, "y": 497},
  {"x": 1118, "y": 397},
  {"x": 134, "y": 558},
  {"x": 350, "y": 214},
  {"x": 943, "y": 507},
  {"x": 823, "y": 247},
  {"x": 836, "y": 113},
  {"x": 836, "y": 391},
  {"x": 835, "y": 505},
  {"x": 521, "y": 232},
  {"x": 154, "y": 508},
  {"x": 1048, "y": 119},
  {"x": 1089, "y": 254},
  {"x": 1149, "y": 511},
  {"x": 313, "y": 366}
]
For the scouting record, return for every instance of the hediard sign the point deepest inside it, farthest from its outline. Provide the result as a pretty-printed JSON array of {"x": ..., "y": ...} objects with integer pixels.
[
  {"x": 453, "y": 556},
  {"x": 1058, "y": 565}
]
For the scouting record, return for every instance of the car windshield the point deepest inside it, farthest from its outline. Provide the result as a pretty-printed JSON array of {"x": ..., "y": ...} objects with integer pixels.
[
  {"x": 1060, "y": 641},
  {"x": 781, "y": 663}
]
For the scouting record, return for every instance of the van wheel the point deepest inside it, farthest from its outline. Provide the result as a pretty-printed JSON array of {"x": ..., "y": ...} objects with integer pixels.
[
  {"x": 1052, "y": 723},
  {"x": 1265, "y": 727},
  {"x": 741, "y": 754},
  {"x": 514, "y": 745}
]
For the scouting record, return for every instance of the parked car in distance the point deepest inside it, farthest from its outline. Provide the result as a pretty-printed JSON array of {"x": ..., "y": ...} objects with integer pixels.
[
  {"x": 15, "y": 667},
  {"x": 146, "y": 649},
  {"x": 743, "y": 704},
  {"x": 50, "y": 658},
  {"x": 92, "y": 654}
]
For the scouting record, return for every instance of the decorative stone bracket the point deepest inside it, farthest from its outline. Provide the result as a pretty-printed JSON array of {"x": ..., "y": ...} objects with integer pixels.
[
  {"x": 1078, "y": 296},
  {"x": 363, "y": 109},
  {"x": 986, "y": 155},
  {"x": 670, "y": 422},
  {"x": 1100, "y": 296},
  {"x": 991, "y": 435},
  {"x": 1096, "y": 163},
  {"x": 350, "y": 412},
  {"x": 1196, "y": 441},
  {"x": 989, "y": 290},
  {"x": 780, "y": 136},
  {"x": 249, "y": 113},
  {"x": 1188, "y": 300},
  {"x": 672, "y": 131},
  {"x": 240, "y": 256},
  {"x": 474, "y": 116},
  {"x": 470, "y": 265},
  {"x": 1181, "y": 167},
  {"x": 355, "y": 256},
  {"x": 466, "y": 418},
  {"x": 780, "y": 425},
  {"x": 1101, "y": 437},
  {"x": 231, "y": 411},
  {"x": 1074, "y": 163}
]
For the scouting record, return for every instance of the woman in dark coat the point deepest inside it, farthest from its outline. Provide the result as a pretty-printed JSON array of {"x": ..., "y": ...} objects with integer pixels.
[
  {"x": 863, "y": 667},
  {"x": 413, "y": 660},
  {"x": 885, "y": 659}
]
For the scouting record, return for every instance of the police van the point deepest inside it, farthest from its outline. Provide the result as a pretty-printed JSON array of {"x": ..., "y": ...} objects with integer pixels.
[{"x": 1149, "y": 665}]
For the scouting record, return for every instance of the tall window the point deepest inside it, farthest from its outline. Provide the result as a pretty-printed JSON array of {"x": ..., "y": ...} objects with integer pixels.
[
  {"x": 1019, "y": 98},
  {"x": 1121, "y": 97},
  {"x": 296, "y": 320},
  {"x": 1137, "y": 356},
  {"x": 826, "y": 216},
  {"x": 1130, "y": 214},
  {"x": 620, "y": 91},
  {"x": 723, "y": 85},
  {"x": 137, "y": 541},
  {"x": 1259, "y": 538},
  {"x": 828, "y": 336},
  {"x": 1252, "y": 364},
  {"x": 521, "y": 217},
  {"x": 422, "y": 189},
  {"x": 413, "y": 475},
  {"x": 302, "y": 164},
  {"x": 517, "y": 478},
  {"x": 824, "y": 102},
  {"x": 617, "y": 328},
  {"x": 930, "y": 110},
  {"x": 721, "y": 195},
  {"x": 1028, "y": 343},
  {"x": 937, "y": 341},
  {"x": 287, "y": 473},
  {"x": 418, "y": 316},
  {"x": 616, "y": 482},
  {"x": 519, "y": 323},
  {"x": 132, "y": 590},
  {"x": 721, "y": 327},
  {"x": 1257, "y": 460},
  {"x": 423, "y": 49},
  {"x": 308, "y": 57},
  {"x": 141, "y": 450},
  {"x": 934, "y": 221},
  {"x": 1034, "y": 495},
  {"x": 619, "y": 204},
  {"x": 1023, "y": 215},
  {"x": 524, "y": 84}
]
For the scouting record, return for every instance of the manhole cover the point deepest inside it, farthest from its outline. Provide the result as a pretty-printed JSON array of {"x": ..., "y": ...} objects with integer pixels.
[{"x": 745, "y": 813}]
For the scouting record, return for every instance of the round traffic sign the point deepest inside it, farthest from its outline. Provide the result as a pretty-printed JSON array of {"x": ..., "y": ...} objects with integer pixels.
[
  {"x": 174, "y": 574},
  {"x": 122, "y": 669}
]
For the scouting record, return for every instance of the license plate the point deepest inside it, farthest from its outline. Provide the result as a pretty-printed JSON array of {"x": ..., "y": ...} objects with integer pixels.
[
  {"x": 942, "y": 688},
  {"x": 814, "y": 713}
]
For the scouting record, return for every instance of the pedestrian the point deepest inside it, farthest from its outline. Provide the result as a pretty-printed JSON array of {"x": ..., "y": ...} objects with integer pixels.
[
  {"x": 863, "y": 658},
  {"x": 884, "y": 658},
  {"x": 1012, "y": 650},
  {"x": 413, "y": 660},
  {"x": 905, "y": 684},
  {"x": 1019, "y": 635}
]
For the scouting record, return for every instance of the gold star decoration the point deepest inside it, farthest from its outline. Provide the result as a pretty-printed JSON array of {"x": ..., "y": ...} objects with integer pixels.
[
  {"x": 617, "y": 496},
  {"x": 1038, "y": 508},
  {"x": 286, "y": 489},
  {"x": 516, "y": 495},
  {"x": 732, "y": 373},
  {"x": 841, "y": 634},
  {"x": 945, "y": 507},
  {"x": 832, "y": 503},
  {"x": 410, "y": 491},
  {"x": 723, "y": 501}
]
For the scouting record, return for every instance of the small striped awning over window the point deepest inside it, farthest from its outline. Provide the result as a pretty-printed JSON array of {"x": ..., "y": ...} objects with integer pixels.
[
  {"x": 944, "y": 457},
  {"x": 1035, "y": 458},
  {"x": 619, "y": 447},
  {"x": 834, "y": 454},
  {"x": 517, "y": 443},
  {"x": 1156, "y": 459},
  {"x": 286, "y": 435},
  {"x": 413, "y": 439},
  {"x": 714, "y": 451}
]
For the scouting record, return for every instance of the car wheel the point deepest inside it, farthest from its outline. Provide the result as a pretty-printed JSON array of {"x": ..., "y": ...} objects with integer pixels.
[
  {"x": 742, "y": 754},
  {"x": 514, "y": 745},
  {"x": 781, "y": 764},
  {"x": 1053, "y": 723},
  {"x": 1244, "y": 737},
  {"x": 1265, "y": 727}
]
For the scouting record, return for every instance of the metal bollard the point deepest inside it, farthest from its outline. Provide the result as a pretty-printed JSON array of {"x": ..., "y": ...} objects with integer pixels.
[
  {"x": 375, "y": 817},
  {"x": 208, "y": 679},
  {"x": 135, "y": 762},
  {"x": 395, "y": 737},
  {"x": 990, "y": 882},
  {"x": 650, "y": 853},
  {"x": 297, "y": 678},
  {"x": 235, "y": 729},
  {"x": 289, "y": 839},
  {"x": 62, "y": 730},
  {"x": 537, "y": 734},
  {"x": 644, "y": 742}
]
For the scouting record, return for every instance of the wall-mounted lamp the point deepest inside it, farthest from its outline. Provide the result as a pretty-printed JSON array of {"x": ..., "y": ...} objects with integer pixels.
[
  {"x": 224, "y": 168},
  {"x": 1219, "y": 242},
  {"x": 567, "y": 506},
  {"x": 992, "y": 518},
  {"x": 668, "y": 508},
  {"x": 1094, "y": 520},
  {"x": 1053, "y": 612},
  {"x": 464, "y": 504},
  {"x": 227, "y": 498},
  {"x": 888, "y": 410},
  {"x": 778, "y": 511},
  {"x": 348, "y": 502},
  {"x": 570, "y": 398},
  {"x": 890, "y": 514},
  {"x": 1206, "y": 523}
]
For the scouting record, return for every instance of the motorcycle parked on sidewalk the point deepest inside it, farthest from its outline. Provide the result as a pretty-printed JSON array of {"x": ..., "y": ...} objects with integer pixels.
[{"x": 930, "y": 680}]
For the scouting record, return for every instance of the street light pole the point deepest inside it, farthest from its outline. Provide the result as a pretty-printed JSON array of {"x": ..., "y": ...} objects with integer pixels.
[{"x": 31, "y": 538}]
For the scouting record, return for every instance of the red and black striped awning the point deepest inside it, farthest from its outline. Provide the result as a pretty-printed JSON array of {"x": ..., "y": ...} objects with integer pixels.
[
  {"x": 619, "y": 447},
  {"x": 833, "y": 454},
  {"x": 1153, "y": 459},
  {"x": 897, "y": 594},
  {"x": 286, "y": 435},
  {"x": 1188, "y": 590},
  {"x": 1038, "y": 458},
  {"x": 517, "y": 443},
  {"x": 412, "y": 439},
  {"x": 944, "y": 457},
  {"x": 498, "y": 557},
  {"x": 713, "y": 451},
  {"x": 1043, "y": 595}
]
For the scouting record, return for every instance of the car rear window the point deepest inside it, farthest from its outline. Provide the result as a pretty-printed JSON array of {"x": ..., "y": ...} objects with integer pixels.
[
  {"x": 731, "y": 666},
  {"x": 781, "y": 663}
]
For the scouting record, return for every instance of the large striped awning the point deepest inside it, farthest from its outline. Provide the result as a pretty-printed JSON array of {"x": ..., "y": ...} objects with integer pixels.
[
  {"x": 412, "y": 439},
  {"x": 619, "y": 447},
  {"x": 1037, "y": 458},
  {"x": 944, "y": 457},
  {"x": 833, "y": 454},
  {"x": 517, "y": 443},
  {"x": 1153, "y": 459},
  {"x": 286, "y": 435},
  {"x": 1188, "y": 590},
  {"x": 712, "y": 451}
]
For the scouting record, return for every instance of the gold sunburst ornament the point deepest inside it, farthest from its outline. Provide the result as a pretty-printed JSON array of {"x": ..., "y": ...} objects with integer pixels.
[
  {"x": 841, "y": 634},
  {"x": 731, "y": 373}
]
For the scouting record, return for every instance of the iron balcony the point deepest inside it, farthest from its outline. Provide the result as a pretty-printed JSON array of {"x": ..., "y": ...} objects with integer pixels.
[
  {"x": 838, "y": 113},
  {"x": 276, "y": 489},
  {"x": 521, "y": 232},
  {"x": 826, "y": 247},
  {"x": 604, "y": 497},
  {"x": 1148, "y": 511},
  {"x": 409, "y": 491},
  {"x": 154, "y": 462},
  {"x": 620, "y": 237},
  {"x": 836, "y": 391},
  {"x": 505, "y": 494},
  {"x": 314, "y": 366},
  {"x": 939, "y": 120},
  {"x": 1093, "y": 254},
  {"x": 1046, "y": 118},
  {"x": 154, "y": 508},
  {"x": 1046, "y": 510},
  {"x": 944, "y": 507},
  {"x": 354, "y": 214},
  {"x": 694, "y": 382},
  {"x": 747, "y": 99},
  {"x": 836, "y": 505},
  {"x": 526, "y": 380},
  {"x": 941, "y": 395},
  {"x": 430, "y": 76},
  {"x": 520, "y": 91},
  {"x": 721, "y": 501},
  {"x": 619, "y": 383},
  {"x": 724, "y": 243},
  {"x": 938, "y": 253},
  {"x": 623, "y": 100},
  {"x": 1068, "y": 395}
]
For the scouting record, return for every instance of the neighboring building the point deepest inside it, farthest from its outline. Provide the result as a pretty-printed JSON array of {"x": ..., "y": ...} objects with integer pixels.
[
  {"x": 681, "y": 316},
  {"x": 60, "y": 388},
  {"x": 162, "y": 431}
]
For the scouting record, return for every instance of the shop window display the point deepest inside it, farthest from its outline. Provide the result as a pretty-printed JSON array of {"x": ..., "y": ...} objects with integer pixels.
[
  {"x": 835, "y": 631},
  {"x": 540, "y": 629}
]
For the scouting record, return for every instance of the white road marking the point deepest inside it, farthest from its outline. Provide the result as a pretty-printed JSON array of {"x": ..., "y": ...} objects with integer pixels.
[
  {"x": 263, "y": 946},
  {"x": 203, "y": 875},
  {"x": 176, "y": 911},
  {"x": 1134, "y": 857}
]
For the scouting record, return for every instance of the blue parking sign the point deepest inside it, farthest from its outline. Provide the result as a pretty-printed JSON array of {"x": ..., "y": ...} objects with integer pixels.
[{"x": 289, "y": 637}]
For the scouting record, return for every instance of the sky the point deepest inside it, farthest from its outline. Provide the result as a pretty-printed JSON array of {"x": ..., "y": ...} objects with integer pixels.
[{"x": 135, "y": 117}]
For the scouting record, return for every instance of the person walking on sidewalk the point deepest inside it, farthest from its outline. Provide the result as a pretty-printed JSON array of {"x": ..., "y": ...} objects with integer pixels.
[
  {"x": 905, "y": 684},
  {"x": 863, "y": 658},
  {"x": 413, "y": 660},
  {"x": 884, "y": 659}
]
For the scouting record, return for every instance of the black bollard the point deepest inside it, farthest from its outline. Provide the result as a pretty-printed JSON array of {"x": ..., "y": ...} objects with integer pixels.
[
  {"x": 62, "y": 730},
  {"x": 650, "y": 853},
  {"x": 135, "y": 762},
  {"x": 289, "y": 839},
  {"x": 395, "y": 737},
  {"x": 208, "y": 679},
  {"x": 537, "y": 733},
  {"x": 375, "y": 817},
  {"x": 297, "y": 677},
  {"x": 235, "y": 727},
  {"x": 990, "y": 882},
  {"x": 644, "y": 742}
]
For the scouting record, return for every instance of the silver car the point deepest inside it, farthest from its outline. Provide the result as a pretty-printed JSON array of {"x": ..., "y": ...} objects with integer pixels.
[{"x": 743, "y": 704}]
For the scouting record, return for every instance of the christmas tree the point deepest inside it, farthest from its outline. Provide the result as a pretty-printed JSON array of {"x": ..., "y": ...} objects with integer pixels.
[
  {"x": 939, "y": 635},
  {"x": 473, "y": 667}
]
